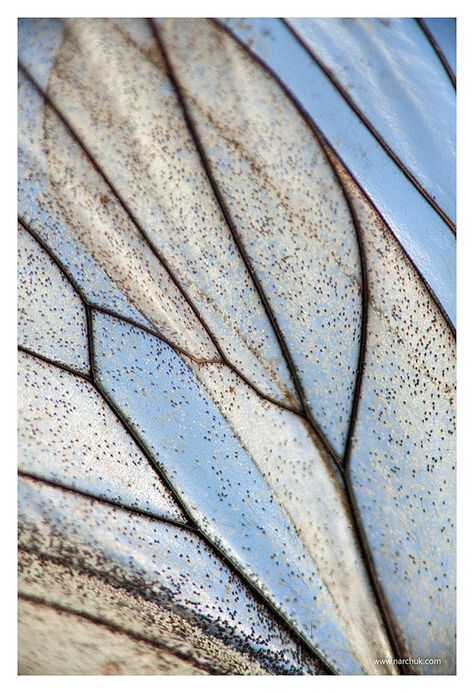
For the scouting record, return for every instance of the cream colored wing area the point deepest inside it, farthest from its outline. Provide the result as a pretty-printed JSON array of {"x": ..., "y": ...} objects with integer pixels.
[
  {"x": 109, "y": 82},
  {"x": 160, "y": 562},
  {"x": 126, "y": 610},
  {"x": 67, "y": 434},
  {"x": 287, "y": 206},
  {"x": 101, "y": 225},
  {"x": 310, "y": 490},
  {"x": 53, "y": 642},
  {"x": 402, "y": 464}
]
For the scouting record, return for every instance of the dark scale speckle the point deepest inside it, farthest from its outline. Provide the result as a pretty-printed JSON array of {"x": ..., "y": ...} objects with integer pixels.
[
  {"x": 168, "y": 575},
  {"x": 114, "y": 90}
]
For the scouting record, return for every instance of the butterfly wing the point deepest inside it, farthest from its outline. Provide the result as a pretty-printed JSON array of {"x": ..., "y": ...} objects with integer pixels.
[{"x": 210, "y": 355}]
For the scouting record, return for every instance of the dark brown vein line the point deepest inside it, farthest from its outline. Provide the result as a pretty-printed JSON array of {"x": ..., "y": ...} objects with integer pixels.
[
  {"x": 322, "y": 138},
  {"x": 399, "y": 244},
  {"x": 388, "y": 619},
  {"x": 241, "y": 249},
  {"x": 57, "y": 364},
  {"x": 101, "y": 309},
  {"x": 372, "y": 573},
  {"x": 64, "y": 271},
  {"x": 90, "y": 346},
  {"x": 153, "y": 333},
  {"x": 114, "y": 628},
  {"x": 92, "y": 380},
  {"x": 370, "y": 127},
  {"x": 100, "y": 499},
  {"x": 363, "y": 545},
  {"x": 437, "y": 48},
  {"x": 152, "y": 247}
]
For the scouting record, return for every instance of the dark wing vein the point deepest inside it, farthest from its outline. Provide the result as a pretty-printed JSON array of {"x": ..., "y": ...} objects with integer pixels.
[
  {"x": 372, "y": 129},
  {"x": 438, "y": 51}
]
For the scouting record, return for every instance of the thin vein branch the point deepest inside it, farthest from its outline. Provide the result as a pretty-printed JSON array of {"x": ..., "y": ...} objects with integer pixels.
[
  {"x": 102, "y": 309},
  {"x": 114, "y": 628},
  {"x": 56, "y": 364},
  {"x": 100, "y": 499},
  {"x": 372, "y": 573}
]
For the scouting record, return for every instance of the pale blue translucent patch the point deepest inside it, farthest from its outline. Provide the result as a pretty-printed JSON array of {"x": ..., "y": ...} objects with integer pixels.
[
  {"x": 304, "y": 482},
  {"x": 38, "y": 41},
  {"x": 443, "y": 30},
  {"x": 37, "y": 205},
  {"x": 169, "y": 565},
  {"x": 396, "y": 79},
  {"x": 51, "y": 316},
  {"x": 68, "y": 434},
  {"x": 427, "y": 240},
  {"x": 226, "y": 494}
]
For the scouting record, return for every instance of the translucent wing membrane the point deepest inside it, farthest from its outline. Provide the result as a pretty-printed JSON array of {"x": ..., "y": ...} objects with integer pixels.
[
  {"x": 403, "y": 450},
  {"x": 424, "y": 234},
  {"x": 51, "y": 316},
  {"x": 236, "y": 427},
  {"x": 164, "y": 568},
  {"x": 288, "y": 209},
  {"x": 396, "y": 80}
]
